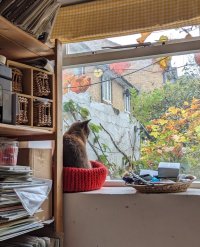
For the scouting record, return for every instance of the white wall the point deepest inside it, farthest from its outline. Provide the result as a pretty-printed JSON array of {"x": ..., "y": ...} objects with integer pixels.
[
  {"x": 118, "y": 124},
  {"x": 114, "y": 217}
]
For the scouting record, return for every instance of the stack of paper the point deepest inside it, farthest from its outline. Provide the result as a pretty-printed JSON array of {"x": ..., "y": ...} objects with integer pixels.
[
  {"x": 19, "y": 227},
  {"x": 31, "y": 241},
  {"x": 34, "y": 16},
  {"x": 16, "y": 186},
  {"x": 12, "y": 177}
]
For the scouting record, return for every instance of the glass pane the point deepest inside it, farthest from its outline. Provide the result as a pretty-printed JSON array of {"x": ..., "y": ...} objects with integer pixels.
[{"x": 165, "y": 112}]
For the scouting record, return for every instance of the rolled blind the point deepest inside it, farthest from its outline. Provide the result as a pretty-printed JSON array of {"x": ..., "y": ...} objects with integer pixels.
[{"x": 110, "y": 18}]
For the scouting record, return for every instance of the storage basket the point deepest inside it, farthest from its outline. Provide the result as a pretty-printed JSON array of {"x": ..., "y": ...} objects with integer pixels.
[
  {"x": 8, "y": 152},
  {"x": 41, "y": 84},
  {"x": 42, "y": 114},
  {"x": 17, "y": 80},
  {"x": 82, "y": 179},
  {"x": 22, "y": 115},
  {"x": 165, "y": 188}
]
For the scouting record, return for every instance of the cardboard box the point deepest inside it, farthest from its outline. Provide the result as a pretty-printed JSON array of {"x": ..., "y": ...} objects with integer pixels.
[{"x": 40, "y": 161}]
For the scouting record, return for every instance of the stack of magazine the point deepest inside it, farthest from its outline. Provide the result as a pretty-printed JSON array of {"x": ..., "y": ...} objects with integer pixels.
[
  {"x": 31, "y": 241},
  {"x": 33, "y": 16},
  {"x": 15, "y": 219}
]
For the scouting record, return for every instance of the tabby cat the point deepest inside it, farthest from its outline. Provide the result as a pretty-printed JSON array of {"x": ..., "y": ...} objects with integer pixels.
[{"x": 74, "y": 145}]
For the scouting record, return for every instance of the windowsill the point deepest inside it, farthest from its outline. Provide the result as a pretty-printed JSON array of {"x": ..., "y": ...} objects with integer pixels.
[
  {"x": 106, "y": 102},
  {"x": 121, "y": 183},
  {"x": 132, "y": 191},
  {"x": 112, "y": 191}
]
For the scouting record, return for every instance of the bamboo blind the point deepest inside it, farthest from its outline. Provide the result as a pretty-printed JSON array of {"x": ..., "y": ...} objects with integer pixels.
[{"x": 109, "y": 18}]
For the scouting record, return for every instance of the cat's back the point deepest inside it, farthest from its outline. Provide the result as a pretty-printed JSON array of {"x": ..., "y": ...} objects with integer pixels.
[
  {"x": 72, "y": 141},
  {"x": 74, "y": 151}
]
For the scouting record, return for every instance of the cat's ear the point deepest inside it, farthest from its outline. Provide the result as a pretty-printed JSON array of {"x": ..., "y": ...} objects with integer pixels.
[{"x": 85, "y": 123}]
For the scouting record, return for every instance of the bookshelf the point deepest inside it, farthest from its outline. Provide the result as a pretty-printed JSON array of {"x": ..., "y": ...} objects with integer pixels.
[
  {"x": 17, "y": 45},
  {"x": 35, "y": 93}
]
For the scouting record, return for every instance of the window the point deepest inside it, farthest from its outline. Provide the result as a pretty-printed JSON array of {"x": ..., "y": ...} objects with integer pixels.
[
  {"x": 106, "y": 89},
  {"x": 94, "y": 46},
  {"x": 127, "y": 101},
  {"x": 79, "y": 71},
  {"x": 164, "y": 105}
]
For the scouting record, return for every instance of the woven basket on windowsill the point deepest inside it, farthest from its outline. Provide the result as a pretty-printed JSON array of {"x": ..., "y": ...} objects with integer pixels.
[
  {"x": 82, "y": 179},
  {"x": 165, "y": 188}
]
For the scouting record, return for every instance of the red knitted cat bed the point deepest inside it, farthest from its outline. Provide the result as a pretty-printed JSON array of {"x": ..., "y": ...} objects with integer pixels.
[{"x": 81, "y": 179}]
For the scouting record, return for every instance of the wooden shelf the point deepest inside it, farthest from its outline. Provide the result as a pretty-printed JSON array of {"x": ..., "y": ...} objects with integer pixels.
[
  {"x": 42, "y": 99},
  {"x": 16, "y": 44},
  {"x": 22, "y": 130}
]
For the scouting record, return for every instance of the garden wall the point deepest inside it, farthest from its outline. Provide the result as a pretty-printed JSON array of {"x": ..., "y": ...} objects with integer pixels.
[{"x": 123, "y": 128}]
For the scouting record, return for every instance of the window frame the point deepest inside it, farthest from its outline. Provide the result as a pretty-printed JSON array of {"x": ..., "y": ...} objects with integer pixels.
[
  {"x": 106, "y": 90},
  {"x": 155, "y": 50},
  {"x": 127, "y": 102}
]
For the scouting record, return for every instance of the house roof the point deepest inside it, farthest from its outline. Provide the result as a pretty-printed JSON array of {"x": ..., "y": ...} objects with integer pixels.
[
  {"x": 90, "y": 46},
  {"x": 118, "y": 78}
]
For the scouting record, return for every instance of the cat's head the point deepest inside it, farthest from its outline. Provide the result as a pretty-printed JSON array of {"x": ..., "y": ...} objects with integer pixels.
[{"x": 80, "y": 128}]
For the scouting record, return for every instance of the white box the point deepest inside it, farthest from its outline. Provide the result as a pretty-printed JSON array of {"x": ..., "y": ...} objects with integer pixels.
[{"x": 168, "y": 170}]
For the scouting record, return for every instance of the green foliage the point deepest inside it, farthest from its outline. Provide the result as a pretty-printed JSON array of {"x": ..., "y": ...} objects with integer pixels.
[
  {"x": 152, "y": 105},
  {"x": 84, "y": 112},
  {"x": 171, "y": 115},
  {"x": 70, "y": 106},
  {"x": 95, "y": 128},
  {"x": 74, "y": 108}
]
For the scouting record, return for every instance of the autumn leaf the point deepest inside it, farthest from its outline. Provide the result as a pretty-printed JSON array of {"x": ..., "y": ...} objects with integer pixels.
[
  {"x": 168, "y": 149},
  {"x": 155, "y": 134},
  {"x": 159, "y": 151},
  {"x": 197, "y": 130},
  {"x": 162, "y": 121}
]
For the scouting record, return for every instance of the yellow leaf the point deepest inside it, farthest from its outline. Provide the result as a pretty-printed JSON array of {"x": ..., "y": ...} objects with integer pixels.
[
  {"x": 182, "y": 139},
  {"x": 197, "y": 129},
  {"x": 162, "y": 121},
  {"x": 173, "y": 110},
  {"x": 154, "y": 127},
  {"x": 175, "y": 138},
  {"x": 154, "y": 134}
]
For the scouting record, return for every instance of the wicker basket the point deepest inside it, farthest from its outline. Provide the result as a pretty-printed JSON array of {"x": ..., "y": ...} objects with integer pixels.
[
  {"x": 41, "y": 85},
  {"x": 17, "y": 80},
  {"x": 165, "y": 188},
  {"x": 22, "y": 116},
  {"x": 42, "y": 114}
]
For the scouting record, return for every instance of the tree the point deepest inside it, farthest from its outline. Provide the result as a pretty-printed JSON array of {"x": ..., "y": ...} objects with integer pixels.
[
  {"x": 177, "y": 137},
  {"x": 148, "y": 106}
]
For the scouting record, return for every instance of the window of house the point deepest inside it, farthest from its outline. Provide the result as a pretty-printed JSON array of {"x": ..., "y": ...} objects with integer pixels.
[
  {"x": 106, "y": 89},
  {"x": 127, "y": 101},
  {"x": 79, "y": 71}
]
